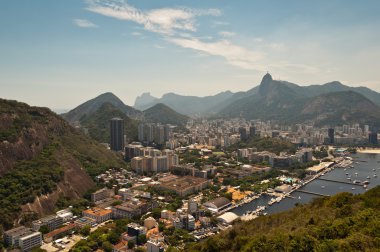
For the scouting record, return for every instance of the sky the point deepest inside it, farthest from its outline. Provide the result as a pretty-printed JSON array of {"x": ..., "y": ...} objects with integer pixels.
[{"x": 59, "y": 54}]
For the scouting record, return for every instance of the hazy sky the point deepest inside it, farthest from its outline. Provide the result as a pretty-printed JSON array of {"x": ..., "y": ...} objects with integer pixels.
[{"x": 61, "y": 53}]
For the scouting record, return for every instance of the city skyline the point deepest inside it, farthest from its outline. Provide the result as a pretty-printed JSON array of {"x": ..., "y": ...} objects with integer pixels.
[{"x": 60, "y": 54}]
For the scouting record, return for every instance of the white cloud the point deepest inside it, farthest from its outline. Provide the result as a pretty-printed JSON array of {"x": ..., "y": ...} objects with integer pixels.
[
  {"x": 226, "y": 34},
  {"x": 137, "y": 34},
  {"x": 159, "y": 46},
  {"x": 163, "y": 20},
  {"x": 219, "y": 23},
  {"x": 234, "y": 54},
  {"x": 178, "y": 26},
  {"x": 83, "y": 23}
]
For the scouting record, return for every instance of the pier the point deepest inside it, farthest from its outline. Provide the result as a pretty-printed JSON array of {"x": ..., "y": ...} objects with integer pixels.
[
  {"x": 313, "y": 193},
  {"x": 337, "y": 181}
]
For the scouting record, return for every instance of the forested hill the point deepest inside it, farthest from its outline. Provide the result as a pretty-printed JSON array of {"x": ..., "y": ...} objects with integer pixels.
[
  {"x": 98, "y": 123},
  {"x": 42, "y": 156},
  {"x": 160, "y": 113},
  {"x": 340, "y": 223}
]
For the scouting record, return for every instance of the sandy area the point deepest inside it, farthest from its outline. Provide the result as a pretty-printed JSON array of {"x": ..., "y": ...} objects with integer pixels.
[
  {"x": 237, "y": 194},
  {"x": 370, "y": 151}
]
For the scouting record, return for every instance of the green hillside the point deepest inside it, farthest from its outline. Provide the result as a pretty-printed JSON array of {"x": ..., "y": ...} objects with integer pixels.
[
  {"x": 40, "y": 152},
  {"x": 286, "y": 102},
  {"x": 98, "y": 123},
  {"x": 340, "y": 223},
  {"x": 90, "y": 106},
  {"x": 160, "y": 113}
]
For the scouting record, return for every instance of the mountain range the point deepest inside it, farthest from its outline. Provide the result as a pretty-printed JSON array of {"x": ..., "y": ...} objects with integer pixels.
[
  {"x": 214, "y": 105},
  {"x": 329, "y": 104},
  {"x": 286, "y": 102}
]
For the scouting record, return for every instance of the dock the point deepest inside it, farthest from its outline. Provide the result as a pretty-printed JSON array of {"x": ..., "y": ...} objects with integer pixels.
[
  {"x": 313, "y": 193},
  {"x": 338, "y": 181}
]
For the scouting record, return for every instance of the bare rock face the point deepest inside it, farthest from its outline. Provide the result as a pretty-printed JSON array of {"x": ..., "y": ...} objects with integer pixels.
[{"x": 75, "y": 183}]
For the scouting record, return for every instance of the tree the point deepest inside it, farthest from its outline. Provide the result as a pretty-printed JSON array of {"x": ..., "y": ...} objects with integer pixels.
[
  {"x": 113, "y": 237},
  {"x": 117, "y": 202},
  {"x": 44, "y": 229},
  {"x": 131, "y": 244},
  {"x": 85, "y": 231},
  {"x": 107, "y": 246},
  {"x": 141, "y": 239},
  {"x": 161, "y": 227}
]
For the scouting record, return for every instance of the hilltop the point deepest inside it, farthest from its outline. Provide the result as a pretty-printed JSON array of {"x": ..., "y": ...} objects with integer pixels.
[
  {"x": 160, "y": 113},
  {"x": 94, "y": 104},
  {"x": 98, "y": 123},
  {"x": 43, "y": 158}
]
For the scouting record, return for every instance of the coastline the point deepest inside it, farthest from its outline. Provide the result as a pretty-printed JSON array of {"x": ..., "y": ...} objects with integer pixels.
[{"x": 369, "y": 151}]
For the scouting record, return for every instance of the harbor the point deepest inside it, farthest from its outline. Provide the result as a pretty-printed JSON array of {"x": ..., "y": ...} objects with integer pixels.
[{"x": 355, "y": 174}]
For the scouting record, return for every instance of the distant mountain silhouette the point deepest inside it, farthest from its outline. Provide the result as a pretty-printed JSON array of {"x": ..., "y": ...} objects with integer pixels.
[
  {"x": 328, "y": 104},
  {"x": 94, "y": 104},
  {"x": 187, "y": 105},
  {"x": 160, "y": 113}
]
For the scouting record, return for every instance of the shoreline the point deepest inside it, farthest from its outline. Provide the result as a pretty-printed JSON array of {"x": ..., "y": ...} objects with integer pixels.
[{"x": 369, "y": 151}]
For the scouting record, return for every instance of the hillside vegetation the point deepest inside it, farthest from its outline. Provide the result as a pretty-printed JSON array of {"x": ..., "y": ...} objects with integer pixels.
[
  {"x": 98, "y": 123},
  {"x": 160, "y": 113},
  {"x": 289, "y": 103},
  {"x": 94, "y": 104},
  {"x": 340, "y": 223},
  {"x": 39, "y": 153}
]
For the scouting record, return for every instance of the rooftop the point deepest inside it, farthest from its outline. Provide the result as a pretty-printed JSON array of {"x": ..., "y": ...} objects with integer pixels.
[
  {"x": 96, "y": 211},
  {"x": 19, "y": 231},
  {"x": 219, "y": 202},
  {"x": 60, "y": 230}
]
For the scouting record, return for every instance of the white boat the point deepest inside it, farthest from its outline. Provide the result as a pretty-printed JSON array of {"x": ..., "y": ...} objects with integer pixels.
[
  {"x": 353, "y": 188},
  {"x": 375, "y": 175},
  {"x": 322, "y": 186}
]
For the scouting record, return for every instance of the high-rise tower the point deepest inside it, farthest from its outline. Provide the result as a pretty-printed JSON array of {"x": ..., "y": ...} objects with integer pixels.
[{"x": 117, "y": 134}]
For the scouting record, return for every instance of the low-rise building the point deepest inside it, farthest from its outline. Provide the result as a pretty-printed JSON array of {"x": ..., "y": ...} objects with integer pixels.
[
  {"x": 51, "y": 222},
  {"x": 155, "y": 244},
  {"x": 100, "y": 195},
  {"x": 60, "y": 232},
  {"x": 98, "y": 214},
  {"x": 23, "y": 238},
  {"x": 150, "y": 223},
  {"x": 217, "y": 205},
  {"x": 130, "y": 209},
  {"x": 85, "y": 221},
  {"x": 65, "y": 214},
  {"x": 184, "y": 185},
  {"x": 227, "y": 218}
]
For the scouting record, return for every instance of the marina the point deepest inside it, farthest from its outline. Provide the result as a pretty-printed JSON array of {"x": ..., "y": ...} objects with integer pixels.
[{"x": 326, "y": 183}]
